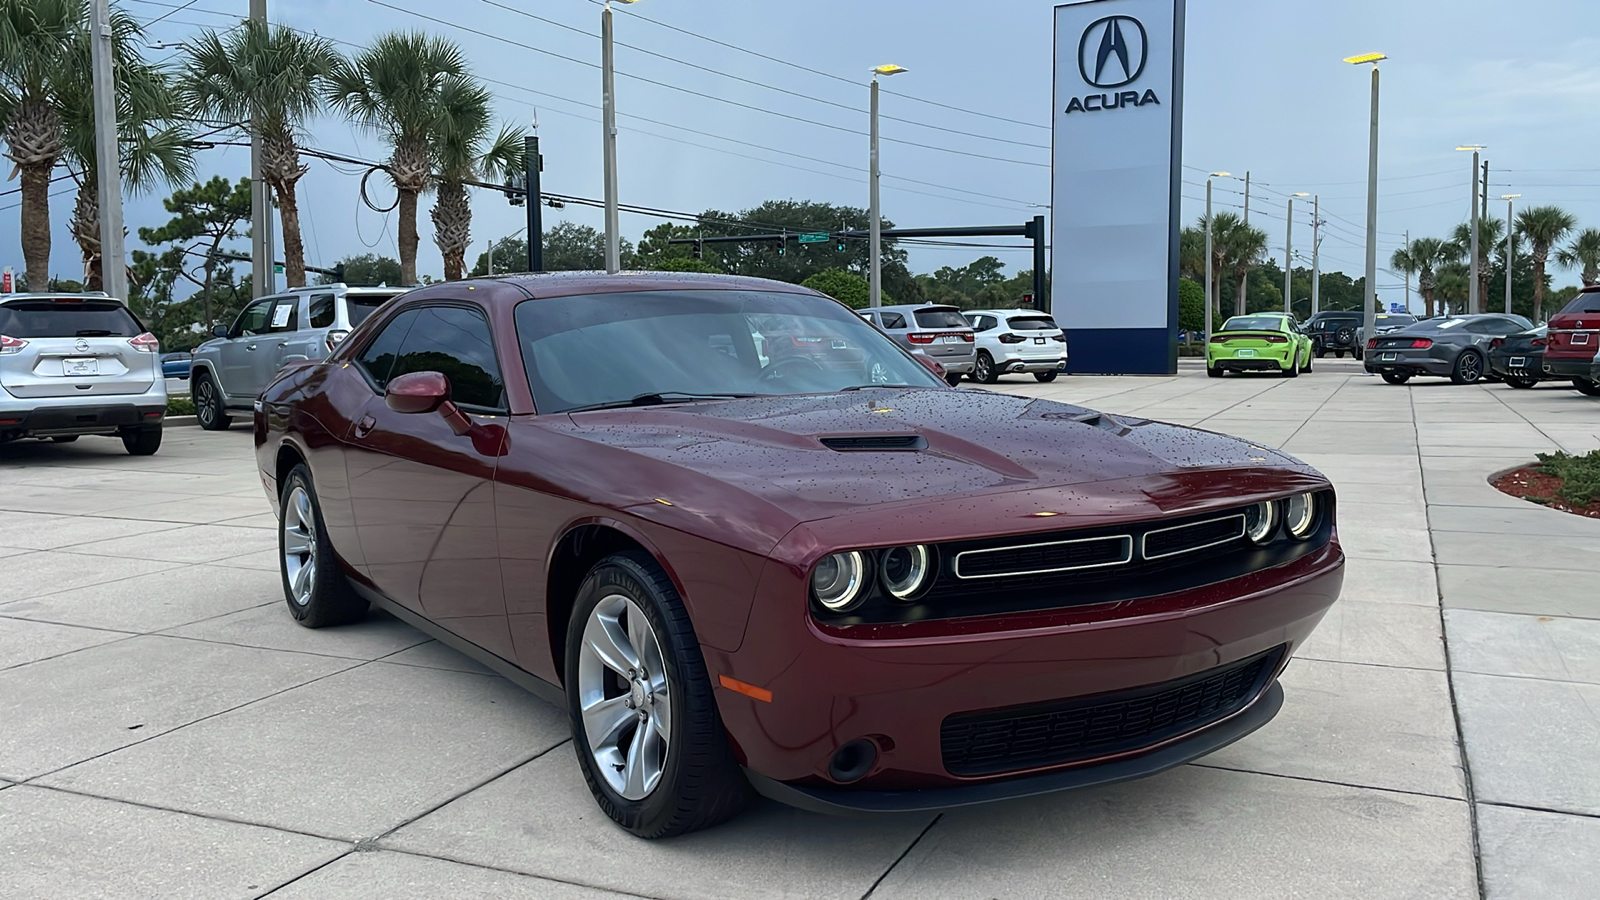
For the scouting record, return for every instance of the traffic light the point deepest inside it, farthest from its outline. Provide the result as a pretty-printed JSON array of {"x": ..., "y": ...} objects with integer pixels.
[
  {"x": 699, "y": 249},
  {"x": 1027, "y": 300},
  {"x": 839, "y": 244},
  {"x": 782, "y": 243}
]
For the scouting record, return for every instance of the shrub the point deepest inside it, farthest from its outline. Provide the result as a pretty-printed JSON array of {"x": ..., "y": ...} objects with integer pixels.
[
  {"x": 1580, "y": 475},
  {"x": 846, "y": 287},
  {"x": 180, "y": 406}
]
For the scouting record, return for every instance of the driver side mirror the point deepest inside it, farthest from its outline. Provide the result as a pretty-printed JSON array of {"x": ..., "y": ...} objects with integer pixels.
[
  {"x": 929, "y": 363},
  {"x": 219, "y": 330},
  {"x": 426, "y": 392}
]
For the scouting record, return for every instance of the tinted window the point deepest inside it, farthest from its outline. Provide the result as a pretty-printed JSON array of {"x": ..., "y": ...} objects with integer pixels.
[
  {"x": 359, "y": 306},
  {"x": 379, "y": 356},
  {"x": 1393, "y": 320},
  {"x": 1585, "y": 302},
  {"x": 583, "y": 351},
  {"x": 285, "y": 315},
  {"x": 940, "y": 318},
  {"x": 1032, "y": 323},
  {"x": 456, "y": 342},
  {"x": 254, "y": 319},
  {"x": 893, "y": 320},
  {"x": 321, "y": 311},
  {"x": 67, "y": 318},
  {"x": 1253, "y": 323},
  {"x": 1439, "y": 324}
]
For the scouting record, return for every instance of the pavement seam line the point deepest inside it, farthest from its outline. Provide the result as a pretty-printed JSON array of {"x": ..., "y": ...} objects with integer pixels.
[
  {"x": 1330, "y": 781},
  {"x": 518, "y": 872},
  {"x": 907, "y": 852},
  {"x": 210, "y": 817},
  {"x": 374, "y": 841},
  {"x": 1450, "y": 679},
  {"x": 311, "y": 871},
  {"x": 1540, "y": 809}
]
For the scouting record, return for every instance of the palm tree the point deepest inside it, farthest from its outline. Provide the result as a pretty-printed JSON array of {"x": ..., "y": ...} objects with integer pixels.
[
  {"x": 1584, "y": 253},
  {"x": 1222, "y": 224},
  {"x": 461, "y": 154},
  {"x": 152, "y": 135},
  {"x": 269, "y": 80},
  {"x": 1451, "y": 287},
  {"x": 396, "y": 87},
  {"x": 1247, "y": 246},
  {"x": 39, "y": 40},
  {"x": 1543, "y": 227},
  {"x": 1192, "y": 252},
  {"x": 1422, "y": 258}
]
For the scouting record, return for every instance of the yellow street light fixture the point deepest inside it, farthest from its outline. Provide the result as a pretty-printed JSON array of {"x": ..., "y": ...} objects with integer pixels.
[
  {"x": 1221, "y": 174},
  {"x": 1364, "y": 58},
  {"x": 878, "y": 70}
]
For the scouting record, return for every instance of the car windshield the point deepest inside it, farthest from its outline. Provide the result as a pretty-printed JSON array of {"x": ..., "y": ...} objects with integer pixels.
[
  {"x": 1393, "y": 320},
  {"x": 360, "y": 306},
  {"x": 941, "y": 317},
  {"x": 1585, "y": 302},
  {"x": 67, "y": 318},
  {"x": 1032, "y": 323},
  {"x": 659, "y": 346},
  {"x": 1440, "y": 324},
  {"x": 1253, "y": 323}
]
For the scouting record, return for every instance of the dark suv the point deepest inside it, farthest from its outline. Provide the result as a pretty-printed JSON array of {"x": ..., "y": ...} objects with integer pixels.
[{"x": 1334, "y": 332}]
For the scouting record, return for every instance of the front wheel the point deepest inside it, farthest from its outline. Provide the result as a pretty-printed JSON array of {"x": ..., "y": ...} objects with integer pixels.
[
  {"x": 644, "y": 721},
  {"x": 1045, "y": 377},
  {"x": 208, "y": 408},
  {"x": 983, "y": 370},
  {"x": 1586, "y": 387},
  {"x": 313, "y": 586},
  {"x": 141, "y": 441},
  {"x": 953, "y": 379},
  {"x": 1468, "y": 368},
  {"x": 1397, "y": 377}
]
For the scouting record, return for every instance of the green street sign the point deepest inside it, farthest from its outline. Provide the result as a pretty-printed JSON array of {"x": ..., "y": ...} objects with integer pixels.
[
  {"x": 277, "y": 268},
  {"x": 814, "y": 237}
]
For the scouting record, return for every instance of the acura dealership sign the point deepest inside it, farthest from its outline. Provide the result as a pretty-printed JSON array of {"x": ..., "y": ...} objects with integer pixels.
[{"x": 1118, "y": 147}]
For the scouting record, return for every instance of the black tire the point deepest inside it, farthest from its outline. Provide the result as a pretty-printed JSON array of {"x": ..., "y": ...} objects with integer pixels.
[
  {"x": 332, "y": 601},
  {"x": 952, "y": 378},
  {"x": 1338, "y": 354},
  {"x": 983, "y": 370},
  {"x": 1292, "y": 370},
  {"x": 1308, "y": 363},
  {"x": 64, "y": 438},
  {"x": 1045, "y": 377},
  {"x": 1468, "y": 368},
  {"x": 208, "y": 404},
  {"x": 1586, "y": 387},
  {"x": 1397, "y": 377},
  {"x": 1522, "y": 382},
  {"x": 1356, "y": 353},
  {"x": 1214, "y": 371},
  {"x": 141, "y": 441},
  {"x": 700, "y": 783},
  {"x": 1319, "y": 351}
]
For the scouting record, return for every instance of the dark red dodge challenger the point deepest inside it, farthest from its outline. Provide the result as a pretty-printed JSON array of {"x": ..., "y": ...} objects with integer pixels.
[{"x": 749, "y": 542}]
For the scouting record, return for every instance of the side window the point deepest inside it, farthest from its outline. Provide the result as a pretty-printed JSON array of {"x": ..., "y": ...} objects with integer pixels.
[
  {"x": 377, "y": 360},
  {"x": 285, "y": 315},
  {"x": 456, "y": 342},
  {"x": 893, "y": 320},
  {"x": 321, "y": 313},
  {"x": 253, "y": 320}
]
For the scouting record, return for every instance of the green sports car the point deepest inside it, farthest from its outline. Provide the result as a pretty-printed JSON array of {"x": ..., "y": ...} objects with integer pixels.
[{"x": 1265, "y": 342}]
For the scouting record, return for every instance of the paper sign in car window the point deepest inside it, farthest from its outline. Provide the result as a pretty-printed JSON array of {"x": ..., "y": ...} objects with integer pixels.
[{"x": 280, "y": 315}]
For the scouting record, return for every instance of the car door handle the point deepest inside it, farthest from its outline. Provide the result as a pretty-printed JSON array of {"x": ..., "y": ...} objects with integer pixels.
[
  {"x": 282, "y": 344},
  {"x": 250, "y": 347},
  {"x": 365, "y": 426}
]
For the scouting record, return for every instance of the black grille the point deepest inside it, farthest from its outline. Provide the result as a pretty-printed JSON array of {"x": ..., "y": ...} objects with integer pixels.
[
  {"x": 876, "y": 442},
  {"x": 1196, "y": 536},
  {"x": 1026, "y": 737},
  {"x": 1044, "y": 557}
]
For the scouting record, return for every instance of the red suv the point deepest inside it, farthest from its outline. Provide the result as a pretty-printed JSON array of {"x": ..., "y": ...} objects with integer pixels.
[{"x": 1574, "y": 338}]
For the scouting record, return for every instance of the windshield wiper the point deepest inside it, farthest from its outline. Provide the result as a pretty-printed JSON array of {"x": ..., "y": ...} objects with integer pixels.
[
  {"x": 659, "y": 398},
  {"x": 862, "y": 387}
]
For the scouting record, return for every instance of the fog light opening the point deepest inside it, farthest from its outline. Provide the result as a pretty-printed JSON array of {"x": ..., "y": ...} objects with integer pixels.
[{"x": 852, "y": 761}]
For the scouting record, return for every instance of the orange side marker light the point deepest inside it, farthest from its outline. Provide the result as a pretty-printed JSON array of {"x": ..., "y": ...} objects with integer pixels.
[{"x": 749, "y": 690}]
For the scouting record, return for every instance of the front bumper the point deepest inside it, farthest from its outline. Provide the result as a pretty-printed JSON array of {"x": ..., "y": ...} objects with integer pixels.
[
  {"x": 829, "y": 689},
  {"x": 82, "y": 418},
  {"x": 1568, "y": 366}
]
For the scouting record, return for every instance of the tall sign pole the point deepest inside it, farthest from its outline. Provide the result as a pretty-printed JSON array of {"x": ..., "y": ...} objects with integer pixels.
[
  {"x": 260, "y": 209},
  {"x": 608, "y": 76},
  {"x": 532, "y": 164},
  {"x": 1316, "y": 247},
  {"x": 874, "y": 224},
  {"x": 1288, "y": 261},
  {"x": 108, "y": 161},
  {"x": 1116, "y": 182}
]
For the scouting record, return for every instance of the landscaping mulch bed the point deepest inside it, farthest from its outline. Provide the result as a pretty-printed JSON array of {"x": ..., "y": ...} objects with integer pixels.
[{"x": 1531, "y": 483}]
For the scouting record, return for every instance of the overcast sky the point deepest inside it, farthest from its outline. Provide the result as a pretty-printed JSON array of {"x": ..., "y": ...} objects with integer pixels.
[{"x": 1265, "y": 91}]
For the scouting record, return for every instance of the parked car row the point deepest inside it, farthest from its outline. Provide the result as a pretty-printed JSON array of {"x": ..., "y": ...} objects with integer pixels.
[{"x": 1453, "y": 347}]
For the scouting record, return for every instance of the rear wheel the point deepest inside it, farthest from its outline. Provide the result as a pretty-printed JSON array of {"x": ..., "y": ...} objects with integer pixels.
[
  {"x": 64, "y": 438},
  {"x": 952, "y": 378},
  {"x": 1397, "y": 377},
  {"x": 1307, "y": 366},
  {"x": 983, "y": 370},
  {"x": 1338, "y": 354},
  {"x": 1521, "y": 381},
  {"x": 1214, "y": 371},
  {"x": 1468, "y": 368},
  {"x": 1292, "y": 370},
  {"x": 644, "y": 720},
  {"x": 141, "y": 441},
  {"x": 208, "y": 402},
  {"x": 1586, "y": 387},
  {"x": 1045, "y": 377},
  {"x": 313, "y": 585}
]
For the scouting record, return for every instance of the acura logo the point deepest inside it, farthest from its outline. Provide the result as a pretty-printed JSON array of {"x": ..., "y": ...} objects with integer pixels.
[
  {"x": 1112, "y": 51},
  {"x": 82, "y": 346}
]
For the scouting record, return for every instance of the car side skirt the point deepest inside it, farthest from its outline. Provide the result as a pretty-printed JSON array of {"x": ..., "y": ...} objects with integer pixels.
[
  {"x": 522, "y": 678},
  {"x": 833, "y": 801}
]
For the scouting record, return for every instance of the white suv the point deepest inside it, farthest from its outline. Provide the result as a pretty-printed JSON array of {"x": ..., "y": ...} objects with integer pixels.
[
  {"x": 1017, "y": 340},
  {"x": 228, "y": 373},
  {"x": 76, "y": 364}
]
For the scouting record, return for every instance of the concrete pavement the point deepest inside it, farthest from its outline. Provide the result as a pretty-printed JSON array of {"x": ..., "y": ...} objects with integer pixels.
[{"x": 168, "y": 731}]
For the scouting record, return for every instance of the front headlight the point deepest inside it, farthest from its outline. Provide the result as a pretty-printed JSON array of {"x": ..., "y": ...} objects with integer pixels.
[
  {"x": 905, "y": 570},
  {"x": 1300, "y": 515},
  {"x": 1261, "y": 522},
  {"x": 839, "y": 581}
]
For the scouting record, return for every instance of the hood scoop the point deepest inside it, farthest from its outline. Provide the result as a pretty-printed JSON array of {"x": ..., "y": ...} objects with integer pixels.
[{"x": 876, "y": 442}]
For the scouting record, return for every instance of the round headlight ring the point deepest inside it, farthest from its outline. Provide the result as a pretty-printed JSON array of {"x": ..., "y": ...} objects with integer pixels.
[
  {"x": 1300, "y": 516},
  {"x": 839, "y": 580},
  {"x": 905, "y": 570},
  {"x": 1261, "y": 522}
]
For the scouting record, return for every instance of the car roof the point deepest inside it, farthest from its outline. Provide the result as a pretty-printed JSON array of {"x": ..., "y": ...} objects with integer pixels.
[
  {"x": 566, "y": 284},
  {"x": 60, "y": 295},
  {"x": 913, "y": 307},
  {"x": 1006, "y": 312}
]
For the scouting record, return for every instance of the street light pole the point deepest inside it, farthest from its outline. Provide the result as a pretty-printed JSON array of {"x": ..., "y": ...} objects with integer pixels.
[
  {"x": 1208, "y": 250},
  {"x": 609, "y": 115},
  {"x": 113, "y": 265},
  {"x": 1316, "y": 248},
  {"x": 1474, "y": 302},
  {"x": 1511, "y": 247},
  {"x": 875, "y": 223},
  {"x": 1370, "y": 302},
  {"x": 1288, "y": 258}
]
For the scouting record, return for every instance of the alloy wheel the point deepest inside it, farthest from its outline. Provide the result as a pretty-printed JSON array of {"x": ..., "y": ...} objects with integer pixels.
[
  {"x": 299, "y": 545},
  {"x": 984, "y": 370},
  {"x": 205, "y": 401},
  {"x": 1471, "y": 368},
  {"x": 624, "y": 697}
]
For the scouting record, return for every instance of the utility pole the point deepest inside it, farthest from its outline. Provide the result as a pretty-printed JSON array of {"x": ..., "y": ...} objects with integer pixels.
[
  {"x": 1511, "y": 248},
  {"x": 108, "y": 160},
  {"x": 260, "y": 214},
  {"x": 1484, "y": 194},
  {"x": 608, "y": 75},
  {"x": 1370, "y": 302},
  {"x": 532, "y": 164},
  {"x": 1238, "y": 302},
  {"x": 1474, "y": 302},
  {"x": 874, "y": 210},
  {"x": 1316, "y": 247},
  {"x": 1207, "y": 336},
  {"x": 1288, "y": 260},
  {"x": 1408, "y": 271}
]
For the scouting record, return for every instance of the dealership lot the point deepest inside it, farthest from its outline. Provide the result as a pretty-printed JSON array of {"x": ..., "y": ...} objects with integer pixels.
[{"x": 170, "y": 732}]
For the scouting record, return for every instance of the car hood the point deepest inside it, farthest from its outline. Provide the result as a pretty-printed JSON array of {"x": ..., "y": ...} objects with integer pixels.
[{"x": 970, "y": 442}]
